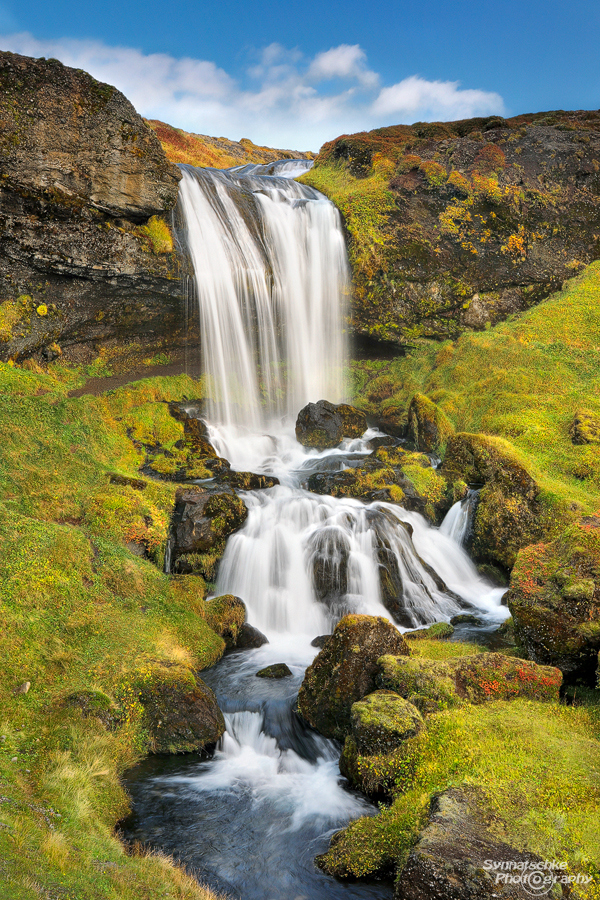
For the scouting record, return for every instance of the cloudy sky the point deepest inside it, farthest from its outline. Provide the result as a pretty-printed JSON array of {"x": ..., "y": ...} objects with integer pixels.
[{"x": 295, "y": 75}]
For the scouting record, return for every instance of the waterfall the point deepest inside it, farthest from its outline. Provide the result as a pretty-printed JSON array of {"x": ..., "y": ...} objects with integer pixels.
[
  {"x": 271, "y": 281},
  {"x": 271, "y": 276},
  {"x": 458, "y": 521}
]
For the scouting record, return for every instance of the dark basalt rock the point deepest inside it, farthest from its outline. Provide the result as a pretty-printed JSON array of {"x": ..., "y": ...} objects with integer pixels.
[
  {"x": 324, "y": 425},
  {"x": 428, "y": 428},
  {"x": 320, "y": 641},
  {"x": 226, "y": 615},
  {"x": 455, "y": 855},
  {"x": 202, "y": 521},
  {"x": 82, "y": 176},
  {"x": 249, "y": 638},
  {"x": 277, "y": 670},
  {"x": 344, "y": 671}
]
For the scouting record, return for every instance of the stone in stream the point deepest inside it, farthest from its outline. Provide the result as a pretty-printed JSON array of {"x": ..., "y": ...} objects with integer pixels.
[
  {"x": 344, "y": 671},
  {"x": 466, "y": 619},
  {"x": 249, "y": 638},
  {"x": 324, "y": 425},
  {"x": 202, "y": 521},
  {"x": 276, "y": 670},
  {"x": 320, "y": 641}
]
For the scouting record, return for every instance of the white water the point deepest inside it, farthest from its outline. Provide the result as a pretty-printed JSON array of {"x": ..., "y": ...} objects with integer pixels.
[
  {"x": 271, "y": 278},
  {"x": 457, "y": 523}
]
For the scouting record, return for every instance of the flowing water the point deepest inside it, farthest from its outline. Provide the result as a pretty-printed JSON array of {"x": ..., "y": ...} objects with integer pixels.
[{"x": 271, "y": 281}]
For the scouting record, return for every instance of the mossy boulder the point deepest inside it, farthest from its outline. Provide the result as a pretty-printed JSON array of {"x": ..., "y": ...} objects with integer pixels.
[
  {"x": 428, "y": 427},
  {"x": 456, "y": 852},
  {"x": 180, "y": 711},
  {"x": 509, "y": 514},
  {"x": 202, "y": 521},
  {"x": 381, "y": 722},
  {"x": 439, "y": 631},
  {"x": 226, "y": 615},
  {"x": 585, "y": 428},
  {"x": 275, "y": 671},
  {"x": 554, "y": 599},
  {"x": 344, "y": 671},
  {"x": 323, "y": 425},
  {"x": 433, "y": 685}
]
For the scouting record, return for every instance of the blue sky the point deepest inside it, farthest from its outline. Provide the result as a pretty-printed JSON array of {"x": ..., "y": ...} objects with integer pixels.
[{"x": 295, "y": 75}]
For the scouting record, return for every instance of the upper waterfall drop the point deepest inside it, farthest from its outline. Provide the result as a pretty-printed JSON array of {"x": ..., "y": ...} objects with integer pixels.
[{"x": 271, "y": 278}]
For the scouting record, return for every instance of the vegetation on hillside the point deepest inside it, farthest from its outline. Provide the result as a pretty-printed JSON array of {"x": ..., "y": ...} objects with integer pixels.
[{"x": 87, "y": 617}]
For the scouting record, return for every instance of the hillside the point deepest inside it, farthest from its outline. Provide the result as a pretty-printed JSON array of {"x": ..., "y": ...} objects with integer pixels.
[{"x": 218, "y": 153}]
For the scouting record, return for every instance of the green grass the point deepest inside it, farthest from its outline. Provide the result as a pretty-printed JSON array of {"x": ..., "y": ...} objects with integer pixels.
[
  {"x": 522, "y": 380},
  {"x": 80, "y": 611},
  {"x": 537, "y": 766}
]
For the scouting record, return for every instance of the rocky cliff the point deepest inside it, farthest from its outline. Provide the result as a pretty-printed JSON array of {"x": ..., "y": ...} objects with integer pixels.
[
  {"x": 86, "y": 194},
  {"x": 456, "y": 225}
]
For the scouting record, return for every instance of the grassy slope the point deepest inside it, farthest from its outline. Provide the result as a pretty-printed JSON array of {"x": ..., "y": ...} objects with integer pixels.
[
  {"x": 218, "y": 153},
  {"x": 80, "y": 611},
  {"x": 522, "y": 380}
]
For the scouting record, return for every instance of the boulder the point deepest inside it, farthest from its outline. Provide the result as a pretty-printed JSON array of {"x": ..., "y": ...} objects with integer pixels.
[
  {"x": 554, "y": 599},
  {"x": 509, "y": 514},
  {"x": 344, "y": 671},
  {"x": 276, "y": 670},
  {"x": 323, "y": 425},
  {"x": 428, "y": 428},
  {"x": 433, "y": 685},
  {"x": 439, "y": 631},
  {"x": 202, "y": 521},
  {"x": 585, "y": 428},
  {"x": 181, "y": 713},
  {"x": 456, "y": 852},
  {"x": 249, "y": 638},
  {"x": 226, "y": 615}
]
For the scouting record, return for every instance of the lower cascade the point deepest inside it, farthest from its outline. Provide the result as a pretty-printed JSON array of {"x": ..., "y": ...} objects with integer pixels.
[{"x": 271, "y": 281}]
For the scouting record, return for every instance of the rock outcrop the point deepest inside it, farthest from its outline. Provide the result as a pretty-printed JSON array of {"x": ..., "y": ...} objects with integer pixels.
[
  {"x": 86, "y": 254},
  {"x": 344, "y": 672},
  {"x": 470, "y": 221},
  {"x": 554, "y": 599}
]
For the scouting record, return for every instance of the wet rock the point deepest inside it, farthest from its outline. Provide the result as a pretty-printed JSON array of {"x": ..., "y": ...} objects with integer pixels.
[
  {"x": 466, "y": 619},
  {"x": 83, "y": 175},
  {"x": 454, "y": 857},
  {"x": 433, "y": 685},
  {"x": 195, "y": 430},
  {"x": 277, "y": 670},
  {"x": 585, "y": 428},
  {"x": 249, "y": 637},
  {"x": 509, "y": 514},
  {"x": 226, "y": 615},
  {"x": 329, "y": 550},
  {"x": 323, "y": 425},
  {"x": 428, "y": 428},
  {"x": 320, "y": 640},
  {"x": 181, "y": 712},
  {"x": 344, "y": 671},
  {"x": 554, "y": 600},
  {"x": 202, "y": 521}
]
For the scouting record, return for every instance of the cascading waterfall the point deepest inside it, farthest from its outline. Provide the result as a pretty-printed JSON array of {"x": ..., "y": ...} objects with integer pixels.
[{"x": 271, "y": 279}]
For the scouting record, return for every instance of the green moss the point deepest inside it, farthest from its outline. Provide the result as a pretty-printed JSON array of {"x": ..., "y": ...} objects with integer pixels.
[{"x": 158, "y": 235}]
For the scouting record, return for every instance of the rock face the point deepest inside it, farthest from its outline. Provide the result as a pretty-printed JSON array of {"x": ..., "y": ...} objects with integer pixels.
[
  {"x": 202, "y": 522},
  {"x": 454, "y": 857},
  {"x": 554, "y": 599},
  {"x": 180, "y": 711},
  {"x": 82, "y": 255},
  {"x": 509, "y": 514},
  {"x": 344, "y": 672},
  {"x": 323, "y": 425},
  {"x": 476, "y": 219}
]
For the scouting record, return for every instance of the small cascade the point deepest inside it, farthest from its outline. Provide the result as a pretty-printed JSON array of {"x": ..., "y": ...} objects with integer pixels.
[{"x": 458, "y": 521}]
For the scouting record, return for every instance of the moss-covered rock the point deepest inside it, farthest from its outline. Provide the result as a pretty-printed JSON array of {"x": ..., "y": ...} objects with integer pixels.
[
  {"x": 202, "y": 521},
  {"x": 432, "y": 685},
  {"x": 554, "y": 599},
  {"x": 510, "y": 513},
  {"x": 226, "y": 616},
  {"x": 439, "y": 631},
  {"x": 323, "y": 425},
  {"x": 428, "y": 427},
  {"x": 585, "y": 428},
  {"x": 344, "y": 672},
  {"x": 277, "y": 670},
  {"x": 180, "y": 712},
  {"x": 381, "y": 721}
]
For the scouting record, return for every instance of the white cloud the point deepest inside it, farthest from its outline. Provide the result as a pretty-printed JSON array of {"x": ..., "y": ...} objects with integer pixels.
[{"x": 286, "y": 100}]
